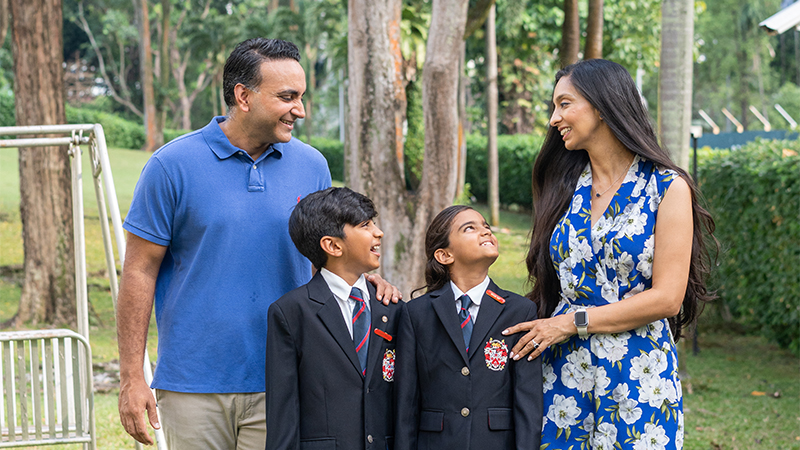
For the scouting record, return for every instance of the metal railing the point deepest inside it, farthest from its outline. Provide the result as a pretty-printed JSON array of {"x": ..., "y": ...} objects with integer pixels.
[{"x": 91, "y": 135}]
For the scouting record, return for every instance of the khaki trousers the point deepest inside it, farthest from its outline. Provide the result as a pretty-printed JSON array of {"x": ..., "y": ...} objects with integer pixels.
[{"x": 213, "y": 421}]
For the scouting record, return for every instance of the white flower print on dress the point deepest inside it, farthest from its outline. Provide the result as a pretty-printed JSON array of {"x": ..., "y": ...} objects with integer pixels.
[
  {"x": 624, "y": 268},
  {"x": 563, "y": 411},
  {"x": 580, "y": 250},
  {"x": 652, "y": 191},
  {"x": 578, "y": 373},
  {"x": 643, "y": 367},
  {"x": 605, "y": 436},
  {"x": 612, "y": 347},
  {"x": 621, "y": 392},
  {"x": 569, "y": 282},
  {"x": 548, "y": 377},
  {"x": 629, "y": 411},
  {"x": 679, "y": 434},
  {"x": 645, "y": 266},
  {"x": 626, "y": 383},
  {"x": 654, "y": 390},
  {"x": 577, "y": 204},
  {"x": 655, "y": 329},
  {"x": 653, "y": 438},
  {"x": 601, "y": 381}
]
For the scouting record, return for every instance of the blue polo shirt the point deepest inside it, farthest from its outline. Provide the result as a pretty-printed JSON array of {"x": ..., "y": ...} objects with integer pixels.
[{"x": 224, "y": 219}]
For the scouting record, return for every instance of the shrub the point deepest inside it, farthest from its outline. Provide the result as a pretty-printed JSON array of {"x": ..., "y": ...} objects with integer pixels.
[
  {"x": 120, "y": 133},
  {"x": 333, "y": 150},
  {"x": 516, "y": 154},
  {"x": 7, "y": 108},
  {"x": 754, "y": 195}
]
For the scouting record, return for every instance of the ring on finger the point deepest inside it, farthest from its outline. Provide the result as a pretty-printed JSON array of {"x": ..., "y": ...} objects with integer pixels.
[{"x": 535, "y": 344}]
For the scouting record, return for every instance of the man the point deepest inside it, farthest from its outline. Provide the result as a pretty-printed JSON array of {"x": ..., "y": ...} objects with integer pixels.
[{"x": 208, "y": 240}]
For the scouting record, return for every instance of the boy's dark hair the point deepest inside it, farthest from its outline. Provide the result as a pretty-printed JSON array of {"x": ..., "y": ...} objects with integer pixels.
[
  {"x": 325, "y": 213},
  {"x": 244, "y": 63}
]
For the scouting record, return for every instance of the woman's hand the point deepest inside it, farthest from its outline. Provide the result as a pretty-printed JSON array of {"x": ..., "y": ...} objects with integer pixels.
[{"x": 541, "y": 333}]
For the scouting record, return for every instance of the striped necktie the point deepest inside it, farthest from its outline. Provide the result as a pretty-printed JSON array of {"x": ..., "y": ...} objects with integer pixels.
[
  {"x": 466, "y": 319},
  {"x": 361, "y": 326}
]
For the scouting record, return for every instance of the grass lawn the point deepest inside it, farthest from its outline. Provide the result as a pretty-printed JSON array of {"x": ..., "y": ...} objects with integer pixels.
[{"x": 729, "y": 391}]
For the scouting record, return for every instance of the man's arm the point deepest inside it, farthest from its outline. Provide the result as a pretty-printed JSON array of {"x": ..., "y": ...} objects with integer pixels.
[{"x": 134, "y": 307}]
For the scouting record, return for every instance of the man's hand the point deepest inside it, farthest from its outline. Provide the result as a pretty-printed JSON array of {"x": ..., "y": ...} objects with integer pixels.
[
  {"x": 384, "y": 292},
  {"x": 136, "y": 398}
]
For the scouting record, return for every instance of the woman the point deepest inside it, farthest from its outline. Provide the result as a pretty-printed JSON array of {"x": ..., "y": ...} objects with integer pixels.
[{"x": 617, "y": 257}]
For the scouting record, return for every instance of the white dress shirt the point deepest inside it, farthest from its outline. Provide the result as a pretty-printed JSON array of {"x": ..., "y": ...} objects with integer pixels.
[
  {"x": 341, "y": 291},
  {"x": 475, "y": 294}
]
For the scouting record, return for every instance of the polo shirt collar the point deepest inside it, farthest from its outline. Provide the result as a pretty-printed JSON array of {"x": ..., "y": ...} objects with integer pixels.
[{"x": 221, "y": 146}]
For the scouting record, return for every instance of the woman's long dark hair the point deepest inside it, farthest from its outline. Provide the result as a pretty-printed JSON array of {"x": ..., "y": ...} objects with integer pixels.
[
  {"x": 438, "y": 236},
  {"x": 609, "y": 88}
]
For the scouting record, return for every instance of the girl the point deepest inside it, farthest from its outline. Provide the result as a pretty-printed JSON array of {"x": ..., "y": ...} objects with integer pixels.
[{"x": 456, "y": 386}]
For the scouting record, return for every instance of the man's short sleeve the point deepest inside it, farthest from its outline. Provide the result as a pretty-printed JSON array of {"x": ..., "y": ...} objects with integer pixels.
[{"x": 152, "y": 209}]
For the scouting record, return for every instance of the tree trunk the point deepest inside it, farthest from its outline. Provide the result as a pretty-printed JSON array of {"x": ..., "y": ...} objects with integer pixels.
[
  {"x": 462, "y": 120},
  {"x": 154, "y": 134},
  {"x": 375, "y": 133},
  {"x": 594, "y": 31},
  {"x": 5, "y": 12},
  {"x": 570, "y": 34},
  {"x": 48, "y": 291},
  {"x": 491, "y": 106},
  {"x": 675, "y": 78},
  {"x": 376, "y": 97}
]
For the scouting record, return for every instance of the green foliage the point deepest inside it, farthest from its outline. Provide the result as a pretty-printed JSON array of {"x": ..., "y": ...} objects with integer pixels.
[
  {"x": 333, "y": 150},
  {"x": 516, "y": 154},
  {"x": 754, "y": 196},
  {"x": 7, "y": 115},
  {"x": 788, "y": 96},
  {"x": 120, "y": 133},
  {"x": 414, "y": 147}
]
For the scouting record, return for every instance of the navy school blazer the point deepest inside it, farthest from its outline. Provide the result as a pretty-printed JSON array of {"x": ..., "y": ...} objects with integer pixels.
[
  {"x": 316, "y": 397},
  {"x": 450, "y": 399}
]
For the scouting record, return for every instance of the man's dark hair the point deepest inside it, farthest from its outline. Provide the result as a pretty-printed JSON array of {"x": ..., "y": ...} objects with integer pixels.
[
  {"x": 325, "y": 213},
  {"x": 244, "y": 63}
]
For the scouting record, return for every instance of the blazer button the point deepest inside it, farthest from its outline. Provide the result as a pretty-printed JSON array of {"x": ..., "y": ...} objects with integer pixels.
[
  {"x": 465, "y": 371},
  {"x": 369, "y": 438},
  {"x": 465, "y": 412}
]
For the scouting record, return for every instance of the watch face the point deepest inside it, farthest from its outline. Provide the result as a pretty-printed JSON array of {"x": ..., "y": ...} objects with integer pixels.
[{"x": 581, "y": 319}]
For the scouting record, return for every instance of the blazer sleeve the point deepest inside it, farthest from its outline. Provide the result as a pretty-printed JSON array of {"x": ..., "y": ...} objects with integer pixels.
[
  {"x": 528, "y": 403},
  {"x": 406, "y": 385},
  {"x": 282, "y": 388}
]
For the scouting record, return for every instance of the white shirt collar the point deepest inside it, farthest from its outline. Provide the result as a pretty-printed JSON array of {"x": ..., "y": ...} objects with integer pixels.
[
  {"x": 340, "y": 288},
  {"x": 475, "y": 294}
]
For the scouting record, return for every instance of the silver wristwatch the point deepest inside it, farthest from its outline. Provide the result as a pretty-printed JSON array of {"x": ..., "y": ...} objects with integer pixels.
[{"x": 581, "y": 319}]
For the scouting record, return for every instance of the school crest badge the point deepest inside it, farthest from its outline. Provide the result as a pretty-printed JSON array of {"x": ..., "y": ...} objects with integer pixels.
[
  {"x": 388, "y": 366},
  {"x": 496, "y": 354}
]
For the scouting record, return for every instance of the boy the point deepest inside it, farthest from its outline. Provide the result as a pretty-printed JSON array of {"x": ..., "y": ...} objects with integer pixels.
[{"x": 330, "y": 348}]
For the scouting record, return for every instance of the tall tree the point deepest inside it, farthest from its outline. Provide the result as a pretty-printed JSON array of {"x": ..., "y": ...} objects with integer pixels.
[
  {"x": 154, "y": 134},
  {"x": 594, "y": 31},
  {"x": 375, "y": 135},
  {"x": 48, "y": 290},
  {"x": 675, "y": 78},
  {"x": 570, "y": 34},
  {"x": 491, "y": 117}
]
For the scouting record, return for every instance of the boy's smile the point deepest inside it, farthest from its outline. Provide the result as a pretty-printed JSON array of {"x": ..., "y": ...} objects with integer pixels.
[{"x": 361, "y": 247}]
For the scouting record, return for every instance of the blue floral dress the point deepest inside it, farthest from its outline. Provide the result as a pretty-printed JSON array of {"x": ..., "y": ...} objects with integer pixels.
[{"x": 621, "y": 390}]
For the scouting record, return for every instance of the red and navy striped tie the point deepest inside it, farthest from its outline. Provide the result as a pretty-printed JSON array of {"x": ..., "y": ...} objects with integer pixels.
[
  {"x": 466, "y": 319},
  {"x": 361, "y": 325}
]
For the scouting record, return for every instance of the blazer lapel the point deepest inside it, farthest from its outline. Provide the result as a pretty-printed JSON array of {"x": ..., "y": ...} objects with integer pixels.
[
  {"x": 487, "y": 315},
  {"x": 444, "y": 304},
  {"x": 376, "y": 343},
  {"x": 331, "y": 315}
]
